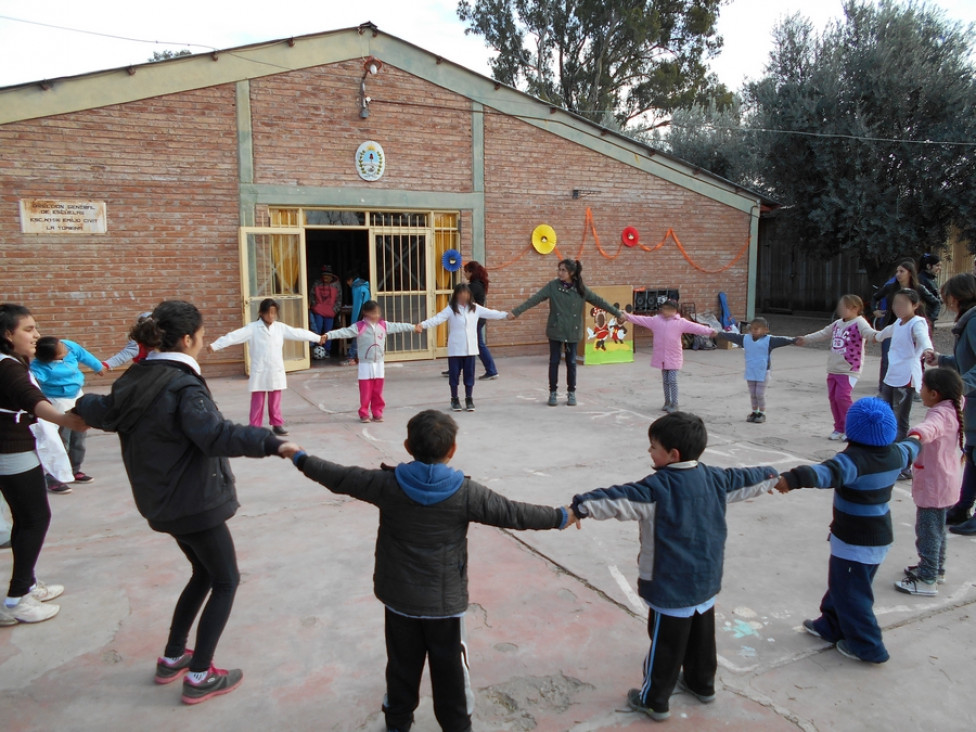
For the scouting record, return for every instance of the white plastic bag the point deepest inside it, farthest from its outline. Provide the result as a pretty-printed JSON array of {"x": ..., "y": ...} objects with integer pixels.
[{"x": 51, "y": 452}]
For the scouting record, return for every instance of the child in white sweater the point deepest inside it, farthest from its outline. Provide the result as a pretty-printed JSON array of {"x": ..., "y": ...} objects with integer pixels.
[
  {"x": 370, "y": 334},
  {"x": 462, "y": 315}
]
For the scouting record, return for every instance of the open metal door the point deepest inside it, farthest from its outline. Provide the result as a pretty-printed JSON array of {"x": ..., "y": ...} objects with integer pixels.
[{"x": 273, "y": 265}]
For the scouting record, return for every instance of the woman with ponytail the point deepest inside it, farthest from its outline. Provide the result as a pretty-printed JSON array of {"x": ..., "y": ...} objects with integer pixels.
[
  {"x": 564, "y": 329},
  {"x": 959, "y": 294},
  {"x": 175, "y": 445}
]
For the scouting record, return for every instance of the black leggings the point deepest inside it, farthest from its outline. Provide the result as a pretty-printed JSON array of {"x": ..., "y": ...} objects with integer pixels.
[
  {"x": 556, "y": 350},
  {"x": 211, "y": 554},
  {"x": 26, "y": 494}
]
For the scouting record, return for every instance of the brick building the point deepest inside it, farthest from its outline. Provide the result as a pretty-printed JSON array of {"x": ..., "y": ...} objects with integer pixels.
[{"x": 232, "y": 176}]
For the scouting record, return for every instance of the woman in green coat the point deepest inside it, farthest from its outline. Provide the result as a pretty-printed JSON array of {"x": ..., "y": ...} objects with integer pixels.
[{"x": 564, "y": 329}]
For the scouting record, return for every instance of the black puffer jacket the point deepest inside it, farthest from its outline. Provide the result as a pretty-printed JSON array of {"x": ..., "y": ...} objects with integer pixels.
[
  {"x": 422, "y": 549},
  {"x": 175, "y": 444}
]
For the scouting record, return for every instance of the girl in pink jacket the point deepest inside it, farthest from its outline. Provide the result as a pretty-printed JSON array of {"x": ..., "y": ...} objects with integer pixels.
[
  {"x": 936, "y": 478},
  {"x": 666, "y": 351}
]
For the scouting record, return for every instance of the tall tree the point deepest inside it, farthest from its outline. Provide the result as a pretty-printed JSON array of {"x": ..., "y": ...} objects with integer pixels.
[
  {"x": 634, "y": 59},
  {"x": 881, "y": 95}
]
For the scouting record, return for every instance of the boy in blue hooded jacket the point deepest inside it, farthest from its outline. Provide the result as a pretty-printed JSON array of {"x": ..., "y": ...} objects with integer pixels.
[{"x": 421, "y": 572}]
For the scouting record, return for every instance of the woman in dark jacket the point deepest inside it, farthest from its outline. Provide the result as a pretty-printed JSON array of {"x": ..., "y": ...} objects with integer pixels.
[
  {"x": 175, "y": 445},
  {"x": 960, "y": 296},
  {"x": 21, "y": 474},
  {"x": 478, "y": 282}
]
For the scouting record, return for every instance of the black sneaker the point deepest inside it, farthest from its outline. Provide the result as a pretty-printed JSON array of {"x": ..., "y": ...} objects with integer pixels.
[
  {"x": 56, "y": 486},
  {"x": 445, "y": 373},
  {"x": 956, "y": 516},
  {"x": 635, "y": 703},
  {"x": 455, "y": 404},
  {"x": 279, "y": 429},
  {"x": 469, "y": 404},
  {"x": 760, "y": 417},
  {"x": 82, "y": 478},
  {"x": 703, "y": 697},
  {"x": 167, "y": 673},
  {"x": 751, "y": 417},
  {"x": 487, "y": 377},
  {"x": 218, "y": 681}
]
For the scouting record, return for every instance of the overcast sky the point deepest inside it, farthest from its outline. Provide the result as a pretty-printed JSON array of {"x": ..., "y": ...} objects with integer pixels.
[{"x": 31, "y": 53}]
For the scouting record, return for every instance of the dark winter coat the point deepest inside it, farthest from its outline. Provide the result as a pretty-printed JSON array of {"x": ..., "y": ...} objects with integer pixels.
[
  {"x": 175, "y": 444},
  {"x": 422, "y": 542},
  {"x": 565, "y": 322}
]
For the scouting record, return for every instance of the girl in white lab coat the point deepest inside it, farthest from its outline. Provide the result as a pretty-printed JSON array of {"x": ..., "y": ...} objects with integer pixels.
[
  {"x": 461, "y": 316},
  {"x": 265, "y": 338}
]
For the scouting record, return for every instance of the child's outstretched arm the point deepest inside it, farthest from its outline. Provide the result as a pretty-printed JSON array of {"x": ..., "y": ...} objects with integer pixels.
[
  {"x": 85, "y": 357},
  {"x": 780, "y": 341},
  {"x": 627, "y": 502},
  {"x": 234, "y": 338},
  {"x": 436, "y": 320},
  {"x": 299, "y": 334},
  {"x": 738, "y": 339},
  {"x": 488, "y": 314},
  {"x": 487, "y": 507},
  {"x": 350, "y": 331},
  {"x": 744, "y": 483},
  {"x": 819, "y": 335},
  {"x": 366, "y": 485},
  {"x": 885, "y": 334},
  {"x": 400, "y": 327}
]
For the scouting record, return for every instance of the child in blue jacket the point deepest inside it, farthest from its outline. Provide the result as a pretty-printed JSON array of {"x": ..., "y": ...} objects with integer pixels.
[
  {"x": 57, "y": 368},
  {"x": 681, "y": 510}
]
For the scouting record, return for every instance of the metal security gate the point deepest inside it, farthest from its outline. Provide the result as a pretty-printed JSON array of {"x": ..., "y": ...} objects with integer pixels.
[
  {"x": 406, "y": 273},
  {"x": 273, "y": 265}
]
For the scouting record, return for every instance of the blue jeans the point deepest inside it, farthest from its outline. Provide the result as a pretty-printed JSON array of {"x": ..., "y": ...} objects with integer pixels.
[
  {"x": 483, "y": 353},
  {"x": 930, "y": 541},
  {"x": 455, "y": 365},
  {"x": 885, "y": 347},
  {"x": 322, "y": 324},
  {"x": 847, "y": 610}
]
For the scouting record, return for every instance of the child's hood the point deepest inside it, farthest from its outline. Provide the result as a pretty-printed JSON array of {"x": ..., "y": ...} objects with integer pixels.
[{"x": 427, "y": 483}]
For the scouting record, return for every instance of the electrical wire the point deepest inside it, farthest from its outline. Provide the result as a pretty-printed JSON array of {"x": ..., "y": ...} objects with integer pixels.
[
  {"x": 104, "y": 35},
  {"x": 832, "y": 135}
]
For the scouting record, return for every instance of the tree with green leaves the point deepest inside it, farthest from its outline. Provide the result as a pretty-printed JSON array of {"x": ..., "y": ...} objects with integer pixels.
[
  {"x": 167, "y": 54},
  {"x": 865, "y": 131},
  {"x": 636, "y": 60}
]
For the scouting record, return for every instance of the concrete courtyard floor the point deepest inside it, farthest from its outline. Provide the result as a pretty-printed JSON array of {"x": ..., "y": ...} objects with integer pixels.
[{"x": 556, "y": 632}]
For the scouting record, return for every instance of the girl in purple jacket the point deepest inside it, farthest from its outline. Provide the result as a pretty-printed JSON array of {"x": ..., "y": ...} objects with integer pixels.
[{"x": 666, "y": 351}]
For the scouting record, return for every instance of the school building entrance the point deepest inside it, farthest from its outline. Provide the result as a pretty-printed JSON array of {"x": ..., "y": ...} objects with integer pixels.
[{"x": 399, "y": 252}]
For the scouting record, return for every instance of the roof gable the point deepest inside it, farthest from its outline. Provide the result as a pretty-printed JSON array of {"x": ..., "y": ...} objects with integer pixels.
[{"x": 118, "y": 86}]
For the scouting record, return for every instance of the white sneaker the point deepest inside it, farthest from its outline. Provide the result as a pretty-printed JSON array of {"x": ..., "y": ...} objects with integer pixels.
[
  {"x": 835, "y": 436},
  {"x": 29, "y": 610},
  {"x": 44, "y": 593},
  {"x": 5, "y": 617}
]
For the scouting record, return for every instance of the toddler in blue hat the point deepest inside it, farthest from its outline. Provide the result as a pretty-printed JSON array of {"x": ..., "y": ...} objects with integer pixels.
[{"x": 862, "y": 476}]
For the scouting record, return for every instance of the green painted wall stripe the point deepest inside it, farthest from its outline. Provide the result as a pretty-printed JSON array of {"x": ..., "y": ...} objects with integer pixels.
[
  {"x": 245, "y": 150},
  {"x": 753, "y": 262},
  {"x": 284, "y": 195},
  {"x": 478, "y": 251}
]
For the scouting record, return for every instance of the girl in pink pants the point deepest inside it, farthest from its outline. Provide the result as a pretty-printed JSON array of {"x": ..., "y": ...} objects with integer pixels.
[
  {"x": 847, "y": 336},
  {"x": 370, "y": 334}
]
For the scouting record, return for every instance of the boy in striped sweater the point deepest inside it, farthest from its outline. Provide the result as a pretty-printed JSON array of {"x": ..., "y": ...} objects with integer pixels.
[{"x": 862, "y": 476}]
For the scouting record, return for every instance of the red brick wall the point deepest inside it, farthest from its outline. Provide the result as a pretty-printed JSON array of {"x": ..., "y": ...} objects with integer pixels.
[
  {"x": 167, "y": 170},
  {"x": 306, "y": 129},
  {"x": 529, "y": 178}
]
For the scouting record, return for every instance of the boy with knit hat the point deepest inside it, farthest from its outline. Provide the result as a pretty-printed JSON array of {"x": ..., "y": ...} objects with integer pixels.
[{"x": 862, "y": 476}]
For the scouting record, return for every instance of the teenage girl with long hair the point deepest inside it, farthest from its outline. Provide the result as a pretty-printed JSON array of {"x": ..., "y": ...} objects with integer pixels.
[
  {"x": 478, "y": 281},
  {"x": 21, "y": 474},
  {"x": 175, "y": 445},
  {"x": 564, "y": 328}
]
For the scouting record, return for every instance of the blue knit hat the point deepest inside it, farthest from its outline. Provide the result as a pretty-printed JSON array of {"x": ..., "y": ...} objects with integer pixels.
[{"x": 870, "y": 421}]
